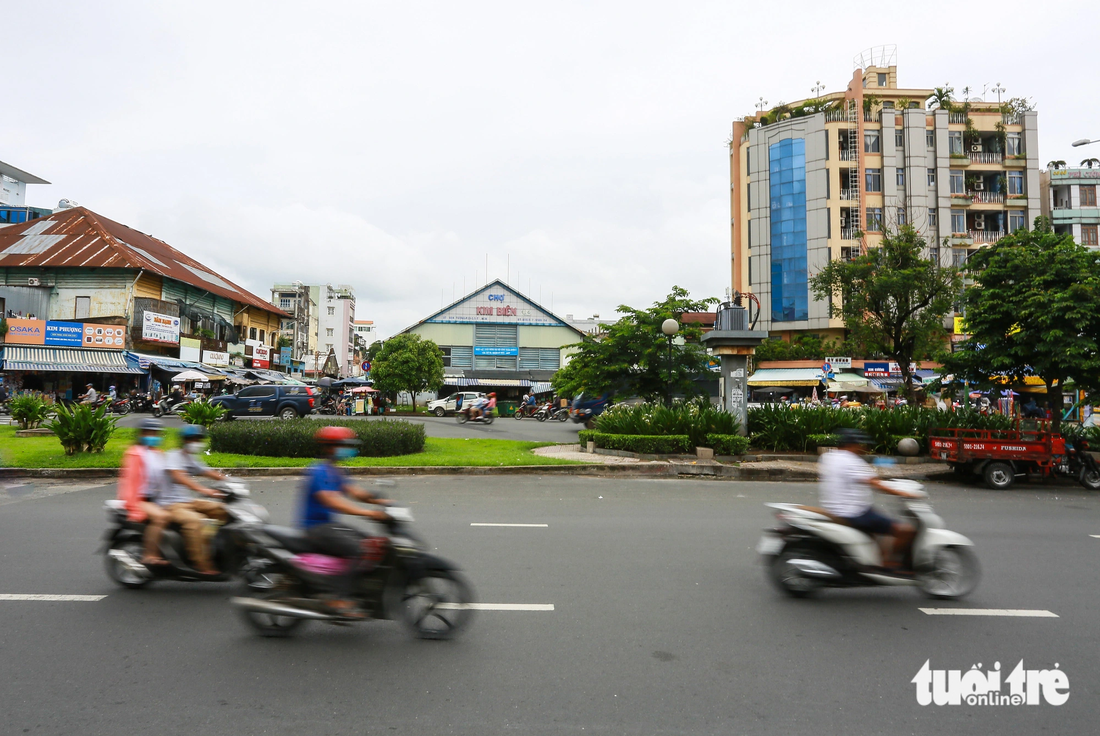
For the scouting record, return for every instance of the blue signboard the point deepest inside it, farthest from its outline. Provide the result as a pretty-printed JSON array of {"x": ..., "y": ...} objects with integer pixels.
[
  {"x": 495, "y": 351},
  {"x": 64, "y": 333},
  {"x": 876, "y": 370}
]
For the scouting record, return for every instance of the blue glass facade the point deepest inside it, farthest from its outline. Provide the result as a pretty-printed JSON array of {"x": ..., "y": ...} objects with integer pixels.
[{"x": 787, "y": 181}]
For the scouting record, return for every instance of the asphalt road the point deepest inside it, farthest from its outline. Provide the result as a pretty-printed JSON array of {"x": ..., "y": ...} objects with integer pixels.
[
  {"x": 662, "y": 624},
  {"x": 504, "y": 428}
]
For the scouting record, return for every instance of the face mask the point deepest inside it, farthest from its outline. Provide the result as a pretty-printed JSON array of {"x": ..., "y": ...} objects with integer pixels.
[
  {"x": 345, "y": 453},
  {"x": 151, "y": 440},
  {"x": 194, "y": 448}
]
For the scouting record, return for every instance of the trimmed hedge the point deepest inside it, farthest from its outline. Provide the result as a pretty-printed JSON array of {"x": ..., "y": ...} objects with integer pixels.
[
  {"x": 696, "y": 418},
  {"x": 647, "y": 444},
  {"x": 728, "y": 444},
  {"x": 294, "y": 437}
]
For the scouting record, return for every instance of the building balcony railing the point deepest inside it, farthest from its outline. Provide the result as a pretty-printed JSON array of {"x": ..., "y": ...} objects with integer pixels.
[
  {"x": 988, "y": 197},
  {"x": 986, "y": 158},
  {"x": 958, "y": 118},
  {"x": 872, "y": 117},
  {"x": 986, "y": 236},
  {"x": 846, "y": 155},
  {"x": 849, "y": 194},
  {"x": 836, "y": 116},
  {"x": 848, "y": 233},
  {"x": 1012, "y": 119}
]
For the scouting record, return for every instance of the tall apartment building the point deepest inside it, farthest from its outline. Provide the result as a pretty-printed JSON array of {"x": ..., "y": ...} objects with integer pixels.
[
  {"x": 295, "y": 300},
  {"x": 323, "y": 322},
  {"x": 1069, "y": 200},
  {"x": 818, "y": 180}
]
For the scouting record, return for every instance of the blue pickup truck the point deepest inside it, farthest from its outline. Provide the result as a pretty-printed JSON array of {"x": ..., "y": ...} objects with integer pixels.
[{"x": 285, "y": 402}]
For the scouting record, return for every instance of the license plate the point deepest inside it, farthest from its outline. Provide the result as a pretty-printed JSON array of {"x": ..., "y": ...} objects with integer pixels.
[{"x": 769, "y": 545}]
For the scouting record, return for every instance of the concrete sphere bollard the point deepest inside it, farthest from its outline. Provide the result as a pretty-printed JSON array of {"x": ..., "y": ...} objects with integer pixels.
[{"x": 908, "y": 447}]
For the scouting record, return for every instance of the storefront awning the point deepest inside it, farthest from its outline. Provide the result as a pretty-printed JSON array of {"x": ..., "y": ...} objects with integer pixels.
[
  {"x": 490, "y": 382},
  {"x": 66, "y": 360},
  {"x": 786, "y": 377},
  {"x": 162, "y": 362}
]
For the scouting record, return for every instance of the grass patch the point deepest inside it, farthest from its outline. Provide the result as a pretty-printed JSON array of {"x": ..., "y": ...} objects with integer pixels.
[{"x": 46, "y": 452}]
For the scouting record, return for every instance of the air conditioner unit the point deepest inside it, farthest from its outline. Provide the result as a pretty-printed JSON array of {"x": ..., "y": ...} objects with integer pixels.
[
  {"x": 32, "y": 282},
  {"x": 979, "y": 222},
  {"x": 976, "y": 147},
  {"x": 979, "y": 185}
]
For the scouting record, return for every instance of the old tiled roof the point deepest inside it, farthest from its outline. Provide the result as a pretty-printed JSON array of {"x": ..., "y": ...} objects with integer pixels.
[{"x": 78, "y": 237}]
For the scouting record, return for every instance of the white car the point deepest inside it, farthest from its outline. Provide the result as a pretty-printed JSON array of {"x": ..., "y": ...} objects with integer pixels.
[{"x": 442, "y": 407}]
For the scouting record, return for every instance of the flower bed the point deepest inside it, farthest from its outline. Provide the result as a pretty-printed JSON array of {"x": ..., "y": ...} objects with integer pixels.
[{"x": 294, "y": 438}]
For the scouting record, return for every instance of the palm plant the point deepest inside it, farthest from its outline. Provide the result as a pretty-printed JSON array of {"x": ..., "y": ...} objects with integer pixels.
[
  {"x": 1090, "y": 162},
  {"x": 942, "y": 96},
  {"x": 1056, "y": 164},
  {"x": 29, "y": 411},
  {"x": 82, "y": 429}
]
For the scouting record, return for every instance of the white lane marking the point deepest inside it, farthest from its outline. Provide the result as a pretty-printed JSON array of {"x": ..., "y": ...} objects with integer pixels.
[
  {"x": 45, "y": 597},
  {"x": 988, "y": 612},
  {"x": 497, "y": 606},
  {"x": 482, "y": 523},
  {"x": 1095, "y": 536}
]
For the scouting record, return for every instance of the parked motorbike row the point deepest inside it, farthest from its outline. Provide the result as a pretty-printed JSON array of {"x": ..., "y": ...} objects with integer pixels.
[
  {"x": 284, "y": 583},
  {"x": 542, "y": 412}
]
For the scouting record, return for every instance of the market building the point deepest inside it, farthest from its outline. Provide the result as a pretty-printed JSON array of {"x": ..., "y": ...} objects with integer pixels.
[
  {"x": 87, "y": 299},
  {"x": 497, "y": 339}
]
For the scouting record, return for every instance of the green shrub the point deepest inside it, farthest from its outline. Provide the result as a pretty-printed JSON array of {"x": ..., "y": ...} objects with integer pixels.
[
  {"x": 203, "y": 412},
  {"x": 585, "y": 436},
  {"x": 696, "y": 418},
  {"x": 294, "y": 437},
  {"x": 823, "y": 440},
  {"x": 648, "y": 444},
  {"x": 728, "y": 444},
  {"x": 82, "y": 429},
  {"x": 29, "y": 411}
]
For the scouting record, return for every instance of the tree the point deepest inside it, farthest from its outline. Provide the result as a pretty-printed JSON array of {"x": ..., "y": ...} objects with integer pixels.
[
  {"x": 942, "y": 96},
  {"x": 893, "y": 300},
  {"x": 1090, "y": 162},
  {"x": 284, "y": 342},
  {"x": 630, "y": 357},
  {"x": 408, "y": 363},
  {"x": 1059, "y": 164},
  {"x": 1033, "y": 310}
]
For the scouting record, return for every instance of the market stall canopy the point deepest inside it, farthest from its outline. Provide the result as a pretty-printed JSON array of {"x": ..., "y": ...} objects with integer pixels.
[
  {"x": 364, "y": 390},
  {"x": 786, "y": 377},
  {"x": 847, "y": 382},
  {"x": 68, "y": 360},
  {"x": 189, "y": 376}
]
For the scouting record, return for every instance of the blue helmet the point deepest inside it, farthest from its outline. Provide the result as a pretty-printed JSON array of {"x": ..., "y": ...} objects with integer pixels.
[
  {"x": 193, "y": 432},
  {"x": 151, "y": 425}
]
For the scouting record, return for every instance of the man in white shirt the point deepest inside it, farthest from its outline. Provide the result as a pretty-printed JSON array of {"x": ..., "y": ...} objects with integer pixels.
[{"x": 846, "y": 490}]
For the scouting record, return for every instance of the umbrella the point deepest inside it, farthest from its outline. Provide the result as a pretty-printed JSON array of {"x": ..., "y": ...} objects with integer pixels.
[
  {"x": 324, "y": 382},
  {"x": 188, "y": 376},
  {"x": 364, "y": 390}
]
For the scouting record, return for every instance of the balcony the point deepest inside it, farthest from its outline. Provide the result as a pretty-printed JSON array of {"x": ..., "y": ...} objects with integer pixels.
[
  {"x": 848, "y": 233},
  {"x": 836, "y": 116},
  {"x": 986, "y": 158},
  {"x": 849, "y": 194},
  {"x": 961, "y": 199},
  {"x": 956, "y": 118},
  {"x": 959, "y": 159},
  {"x": 987, "y": 197},
  {"x": 986, "y": 237},
  {"x": 849, "y": 254},
  {"x": 846, "y": 155},
  {"x": 1012, "y": 119},
  {"x": 872, "y": 117}
]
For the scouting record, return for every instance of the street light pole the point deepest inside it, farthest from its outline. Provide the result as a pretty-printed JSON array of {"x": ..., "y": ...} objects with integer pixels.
[
  {"x": 1084, "y": 142},
  {"x": 670, "y": 327}
]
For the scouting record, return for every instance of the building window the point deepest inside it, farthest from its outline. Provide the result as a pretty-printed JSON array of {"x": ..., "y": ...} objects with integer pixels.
[
  {"x": 328, "y": 332},
  {"x": 789, "y": 274},
  {"x": 331, "y": 311},
  {"x": 958, "y": 182},
  {"x": 284, "y": 304},
  {"x": 899, "y": 138},
  {"x": 874, "y": 219},
  {"x": 261, "y": 335},
  {"x": 901, "y": 177},
  {"x": 446, "y": 357},
  {"x": 328, "y": 347},
  {"x": 251, "y": 333},
  {"x": 871, "y": 143},
  {"x": 1015, "y": 182},
  {"x": 1016, "y": 221},
  {"x": 901, "y": 217},
  {"x": 874, "y": 180},
  {"x": 83, "y": 307},
  {"x": 955, "y": 142},
  {"x": 930, "y": 139},
  {"x": 960, "y": 259},
  {"x": 931, "y": 177},
  {"x": 1014, "y": 144},
  {"x": 958, "y": 221},
  {"x": 1089, "y": 235},
  {"x": 881, "y": 79},
  {"x": 932, "y": 217},
  {"x": 1088, "y": 195}
]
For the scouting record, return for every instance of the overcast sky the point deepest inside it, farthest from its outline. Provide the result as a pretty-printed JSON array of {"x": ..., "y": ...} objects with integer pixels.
[{"x": 392, "y": 146}]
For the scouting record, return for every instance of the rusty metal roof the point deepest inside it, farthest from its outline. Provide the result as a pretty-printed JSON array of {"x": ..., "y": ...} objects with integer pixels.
[{"x": 79, "y": 238}]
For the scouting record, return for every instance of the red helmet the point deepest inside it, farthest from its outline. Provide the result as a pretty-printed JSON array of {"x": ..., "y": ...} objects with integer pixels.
[{"x": 336, "y": 436}]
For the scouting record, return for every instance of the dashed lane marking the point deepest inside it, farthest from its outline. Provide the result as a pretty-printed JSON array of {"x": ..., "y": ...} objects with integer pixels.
[
  {"x": 989, "y": 612},
  {"x": 45, "y": 597},
  {"x": 496, "y": 606},
  {"x": 484, "y": 523}
]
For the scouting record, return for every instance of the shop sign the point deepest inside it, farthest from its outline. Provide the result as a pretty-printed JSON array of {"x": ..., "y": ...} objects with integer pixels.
[
  {"x": 839, "y": 362},
  {"x": 212, "y": 357},
  {"x": 261, "y": 356},
  {"x": 98, "y": 336},
  {"x": 190, "y": 349},
  {"x": 876, "y": 370},
  {"x": 160, "y": 328},
  {"x": 26, "y": 331},
  {"x": 496, "y": 351}
]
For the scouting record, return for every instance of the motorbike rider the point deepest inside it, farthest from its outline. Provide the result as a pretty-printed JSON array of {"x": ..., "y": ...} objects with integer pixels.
[
  {"x": 477, "y": 407},
  {"x": 845, "y": 491},
  {"x": 182, "y": 507},
  {"x": 89, "y": 396},
  {"x": 141, "y": 479},
  {"x": 326, "y": 492}
]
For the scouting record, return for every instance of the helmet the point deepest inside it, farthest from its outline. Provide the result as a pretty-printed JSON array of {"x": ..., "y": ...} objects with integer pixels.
[
  {"x": 493, "y": 394},
  {"x": 151, "y": 425},
  {"x": 344, "y": 436},
  {"x": 852, "y": 436},
  {"x": 193, "y": 432}
]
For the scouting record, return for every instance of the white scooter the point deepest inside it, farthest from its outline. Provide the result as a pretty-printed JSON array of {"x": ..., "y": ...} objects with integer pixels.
[{"x": 811, "y": 549}]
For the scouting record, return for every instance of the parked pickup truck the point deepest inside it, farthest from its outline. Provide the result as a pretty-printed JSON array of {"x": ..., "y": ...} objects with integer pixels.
[{"x": 285, "y": 402}]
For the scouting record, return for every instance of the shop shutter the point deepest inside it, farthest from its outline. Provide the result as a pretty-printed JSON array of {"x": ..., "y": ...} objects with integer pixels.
[
  {"x": 529, "y": 359},
  {"x": 462, "y": 356},
  {"x": 549, "y": 359}
]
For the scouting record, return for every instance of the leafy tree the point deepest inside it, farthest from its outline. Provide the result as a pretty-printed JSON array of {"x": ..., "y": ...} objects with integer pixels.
[
  {"x": 942, "y": 96},
  {"x": 893, "y": 300},
  {"x": 807, "y": 347},
  {"x": 408, "y": 363},
  {"x": 630, "y": 357},
  {"x": 1034, "y": 310},
  {"x": 284, "y": 342}
]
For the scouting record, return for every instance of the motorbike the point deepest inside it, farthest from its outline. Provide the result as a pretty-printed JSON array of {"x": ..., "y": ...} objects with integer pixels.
[
  {"x": 811, "y": 549},
  {"x": 117, "y": 406},
  {"x": 165, "y": 406},
  {"x": 561, "y": 414},
  {"x": 396, "y": 577},
  {"x": 1082, "y": 465},
  {"x": 525, "y": 410},
  {"x": 463, "y": 416},
  {"x": 141, "y": 402},
  {"x": 332, "y": 405},
  {"x": 233, "y": 556}
]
